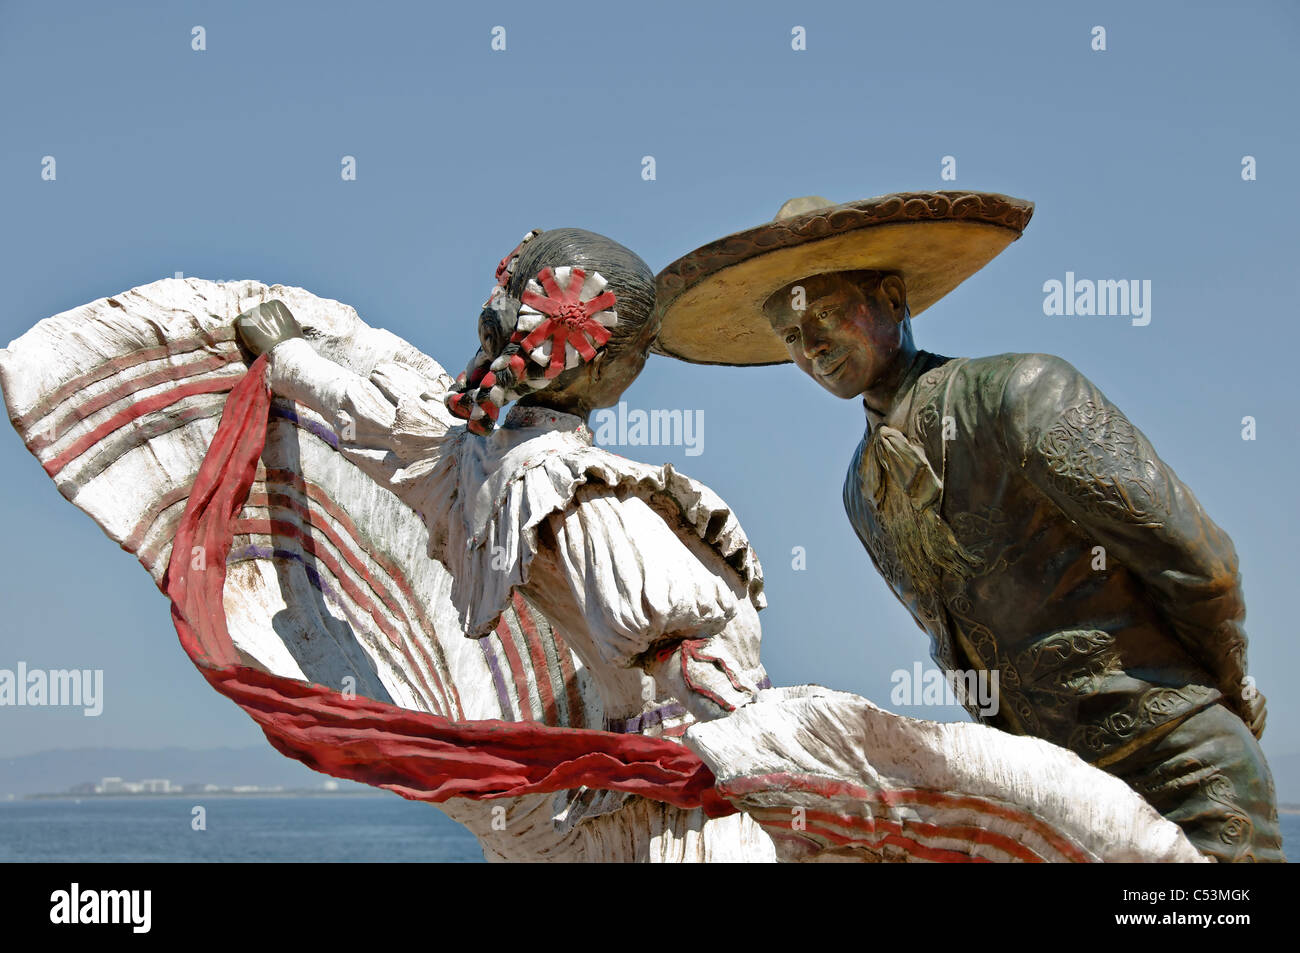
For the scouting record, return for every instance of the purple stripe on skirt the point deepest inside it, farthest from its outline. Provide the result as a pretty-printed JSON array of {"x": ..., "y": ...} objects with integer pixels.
[
  {"x": 647, "y": 719},
  {"x": 503, "y": 696},
  {"x": 285, "y": 410}
]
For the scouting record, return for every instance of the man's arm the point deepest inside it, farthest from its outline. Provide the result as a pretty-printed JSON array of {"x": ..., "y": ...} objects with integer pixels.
[{"x": 1083, "y": 453}]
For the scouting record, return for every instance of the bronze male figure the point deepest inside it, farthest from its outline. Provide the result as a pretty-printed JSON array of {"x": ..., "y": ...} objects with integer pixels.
[{"x": 1020, "y": 517}]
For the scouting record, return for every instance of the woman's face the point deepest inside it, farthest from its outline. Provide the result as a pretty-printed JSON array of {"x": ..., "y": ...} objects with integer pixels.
[
  {"x": 492, "y": 336},
  {"x": 615, "y": 375},
  {"x": 602, "y": 382}
]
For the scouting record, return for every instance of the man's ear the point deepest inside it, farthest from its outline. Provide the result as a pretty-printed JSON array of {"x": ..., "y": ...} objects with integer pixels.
[{"x": 894, "y": 293}]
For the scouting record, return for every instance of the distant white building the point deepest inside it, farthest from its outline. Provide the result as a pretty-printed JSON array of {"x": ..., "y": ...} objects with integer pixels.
[{"x": 147, "y": 786}]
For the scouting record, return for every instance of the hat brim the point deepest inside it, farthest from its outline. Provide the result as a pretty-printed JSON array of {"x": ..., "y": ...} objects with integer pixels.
[{"x": 710, "y": 302}]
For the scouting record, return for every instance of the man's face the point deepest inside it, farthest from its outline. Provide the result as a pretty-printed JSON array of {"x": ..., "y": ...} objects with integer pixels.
[{"x": 845, "y": 337}]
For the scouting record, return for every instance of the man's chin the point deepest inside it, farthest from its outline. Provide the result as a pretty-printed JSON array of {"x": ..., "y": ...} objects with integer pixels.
[{"x": 843, "y": 389}]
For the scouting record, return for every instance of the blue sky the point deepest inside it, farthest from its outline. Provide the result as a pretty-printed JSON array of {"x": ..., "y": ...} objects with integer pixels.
[{"x": 224, "y": 164}]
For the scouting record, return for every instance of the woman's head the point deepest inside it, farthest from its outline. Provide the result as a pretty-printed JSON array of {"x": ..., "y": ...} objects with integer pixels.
[{"x": 568, "y": 326}]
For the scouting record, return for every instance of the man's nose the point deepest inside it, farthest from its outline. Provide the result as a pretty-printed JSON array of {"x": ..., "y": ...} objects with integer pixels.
[{"x": 813, "y": 344}]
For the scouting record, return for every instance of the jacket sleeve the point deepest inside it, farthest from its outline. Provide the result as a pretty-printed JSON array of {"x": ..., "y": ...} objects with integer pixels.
[{"x": 1083, "y": 453}]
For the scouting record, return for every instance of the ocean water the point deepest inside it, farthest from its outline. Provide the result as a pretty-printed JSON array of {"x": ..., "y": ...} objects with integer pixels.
[
  {"x": 245, "y": 828},
  {"x": 315, "y": 829}
]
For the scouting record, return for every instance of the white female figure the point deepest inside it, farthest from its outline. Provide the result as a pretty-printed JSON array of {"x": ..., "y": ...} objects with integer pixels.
[{"x": 644, "y": 570}]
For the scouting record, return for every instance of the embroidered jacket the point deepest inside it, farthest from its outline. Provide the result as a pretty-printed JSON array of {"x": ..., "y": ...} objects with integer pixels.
[{"x": 1046, "y": 540}]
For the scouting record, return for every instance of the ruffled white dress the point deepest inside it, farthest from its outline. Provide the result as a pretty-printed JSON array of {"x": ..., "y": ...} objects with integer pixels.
[
  {"x": 619, "y": 555},
  {"x": 119, "y": 400}
]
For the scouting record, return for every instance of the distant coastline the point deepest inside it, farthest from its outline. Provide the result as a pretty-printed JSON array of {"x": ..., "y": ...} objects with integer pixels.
[{"x": 191, "y": 795}]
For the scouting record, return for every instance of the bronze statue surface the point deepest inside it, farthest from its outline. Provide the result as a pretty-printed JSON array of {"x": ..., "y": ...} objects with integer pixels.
[{"x": 1028, "y": 527}]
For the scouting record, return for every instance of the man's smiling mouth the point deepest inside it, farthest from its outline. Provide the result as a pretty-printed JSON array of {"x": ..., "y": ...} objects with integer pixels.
[{"x": 833, "y": 366}]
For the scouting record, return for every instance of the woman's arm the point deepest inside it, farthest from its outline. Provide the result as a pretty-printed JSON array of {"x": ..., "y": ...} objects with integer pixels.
[
  {"x": 384, "y": 430},
  {"x": 655, "y": 600}
]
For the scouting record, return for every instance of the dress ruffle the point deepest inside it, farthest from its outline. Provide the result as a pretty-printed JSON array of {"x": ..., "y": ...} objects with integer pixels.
[
  {"x": 483, "y": 498},
  {"x": 524, "y": 475}
]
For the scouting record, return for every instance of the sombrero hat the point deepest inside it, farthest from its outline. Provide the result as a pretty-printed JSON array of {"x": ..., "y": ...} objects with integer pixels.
[{"x": 710, "y": 302}]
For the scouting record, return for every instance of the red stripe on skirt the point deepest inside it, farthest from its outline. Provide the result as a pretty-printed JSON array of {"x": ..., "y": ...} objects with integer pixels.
[
  {"x": 516, "y": 669},
  {"x": 541, "y": 667},
  {"x": 829, "y": 787},
  {"x": 137, "y": 410},
  {"x": 209, "y": 342},
  {"x": 418, "y": 755},
  {"x": 835, "y": 825},
  {"x": 80, "y": 412},
  {"x": 271, "y": 527},
  {"x": 269, "y": 498}
]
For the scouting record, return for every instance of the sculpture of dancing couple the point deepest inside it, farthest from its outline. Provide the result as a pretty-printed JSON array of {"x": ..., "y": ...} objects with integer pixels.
[{"x": 981, "y": 491}]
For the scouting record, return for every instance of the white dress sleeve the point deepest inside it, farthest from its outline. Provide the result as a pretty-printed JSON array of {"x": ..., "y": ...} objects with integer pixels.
[
  {"x": 636, "y": 580},
  {"x": 393, "y": 426}
]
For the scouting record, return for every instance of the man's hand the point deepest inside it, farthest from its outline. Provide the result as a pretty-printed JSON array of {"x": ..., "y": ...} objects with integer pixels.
[
  {"x": 266, "y": 325},
  {"x": 1249, "y": 702}
]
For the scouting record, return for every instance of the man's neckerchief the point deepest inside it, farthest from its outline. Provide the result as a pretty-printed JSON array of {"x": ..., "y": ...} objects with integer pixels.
[{"x": 907, "y": 494}]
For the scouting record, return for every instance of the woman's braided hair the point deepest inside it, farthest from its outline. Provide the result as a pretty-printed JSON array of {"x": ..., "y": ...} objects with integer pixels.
[{"x": 561, "y": 297}]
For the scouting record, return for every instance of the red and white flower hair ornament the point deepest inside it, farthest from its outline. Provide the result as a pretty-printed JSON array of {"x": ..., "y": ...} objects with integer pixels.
[
  {"x": 507, "y": 266},
  {"x": 565, "y": 315},
  {"x": 562, "y": 321}
]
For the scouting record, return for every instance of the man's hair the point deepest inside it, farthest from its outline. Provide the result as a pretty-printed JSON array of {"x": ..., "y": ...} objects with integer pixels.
[{"x": 863, "y": 279}]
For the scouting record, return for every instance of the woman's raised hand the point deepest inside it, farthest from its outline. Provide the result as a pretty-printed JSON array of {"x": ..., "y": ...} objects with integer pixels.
[{"x": 264, "y": 326}]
